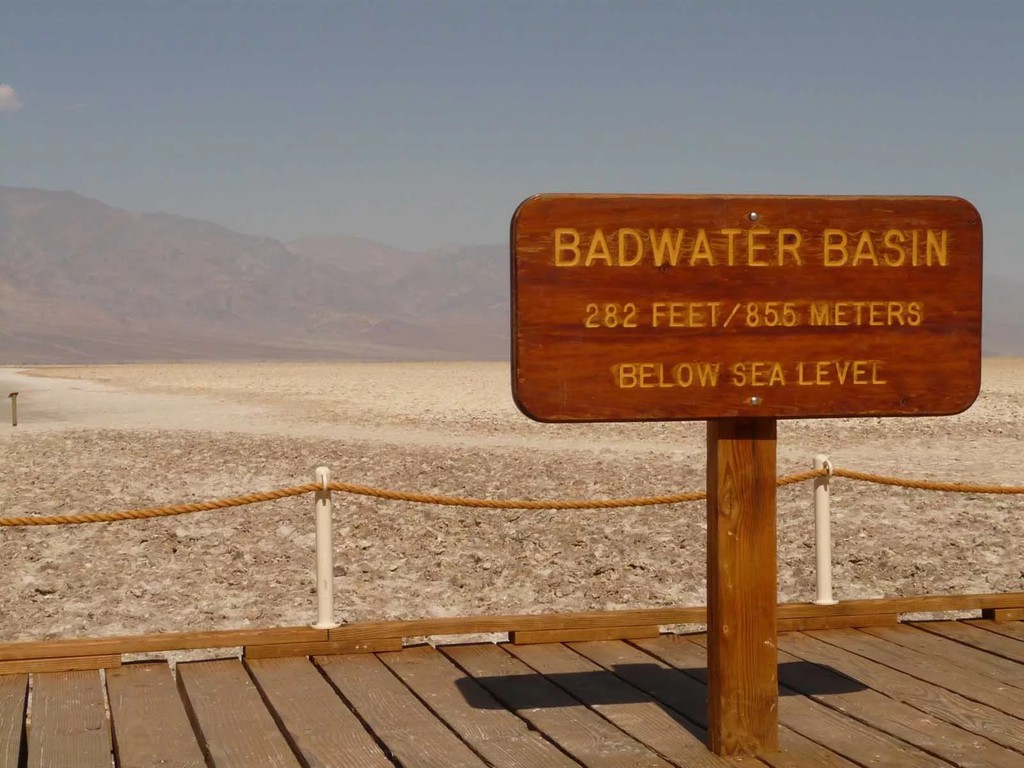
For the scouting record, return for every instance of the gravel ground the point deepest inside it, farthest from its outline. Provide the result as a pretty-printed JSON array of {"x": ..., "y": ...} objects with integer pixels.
[{"x": 115, "y": 437}]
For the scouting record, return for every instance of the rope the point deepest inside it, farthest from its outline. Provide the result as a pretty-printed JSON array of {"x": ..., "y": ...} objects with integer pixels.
[
  {"x": 177, "y": 509},
  {"x": 927, "y": 485},
  {"x": 459, "y": 501}
]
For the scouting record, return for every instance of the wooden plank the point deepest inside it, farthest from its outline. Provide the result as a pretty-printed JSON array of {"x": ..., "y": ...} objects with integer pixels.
[
  {"x": 576, "y": 729},
  {"x": 13, "y": 691},
  {"x": 468, "y": 625},
  {"x": 946, "y": 650},
  {"x": 1003, "y": 614},
  {"x": 1014, "y": 629},
  {"x": 154, "y": 643},
  {"x": 978, "y": 637},
  {"x": 462, "y": 625},
  {"x": 845, "y": 736},
  {"x": 924, "y": 667},
  {"x": 577, "y": 635},
  {"x": 741, "y": 582},
  {"x": 929, "y": 699},
  {"x": 150, "y": 725},
  {"x": 666, "y": 732},
  {"x": 283, "y": 650},
  {"x": 321, "y": 728},
  {"x": 688, "y": 696},
  {"x": 837, "y": 622},
  {"x": 68, "y": 726},
  {"x": 933, "y": 735},
  {"x": 410, "y": 731},
  {"x": 62, "y": 664},
  {"x": 912, "y": 604},
  {"x": 226, "y": 710},
  {"x": 494, "y": 733}
]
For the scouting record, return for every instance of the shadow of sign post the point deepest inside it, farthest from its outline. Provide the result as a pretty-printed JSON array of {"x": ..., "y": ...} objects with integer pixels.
[{"x": 739, "y": 311}]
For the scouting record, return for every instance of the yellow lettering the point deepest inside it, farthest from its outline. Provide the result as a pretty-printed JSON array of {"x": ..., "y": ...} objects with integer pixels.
[
  {"x": 731, "y": 235},
  {"x": 865, "y": 250},
  {"x": 753, "y": 247},
  {"x": 896, "y": 254},
  {"x": 598, "y": 250},
  {"x": 573, "y": 246},
  {"x": 834, "y": 240},
  {"x": 820, "y": 313},
  {"x": 625, "y": 375},
  {"x": 915, "y": 313},
  {"x": 914, "y": 260},
  {"x": 702, "y": 249},
  {"x": 666, "y": 247},
  {"x": 789, "y": 242},
  {"x": 637, "y": 237},
  {"x": 936, "y": 243}
]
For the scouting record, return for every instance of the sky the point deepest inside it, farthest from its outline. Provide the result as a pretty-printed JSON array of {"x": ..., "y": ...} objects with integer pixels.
[{"x": 423, "y": 124}]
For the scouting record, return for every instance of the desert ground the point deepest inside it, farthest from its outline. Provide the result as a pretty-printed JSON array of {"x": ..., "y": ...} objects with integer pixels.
[{"x": 106, "y": 438}]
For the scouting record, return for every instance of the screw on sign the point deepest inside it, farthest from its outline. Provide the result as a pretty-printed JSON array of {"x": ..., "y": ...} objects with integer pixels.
[{"x": 738, "y": 311}]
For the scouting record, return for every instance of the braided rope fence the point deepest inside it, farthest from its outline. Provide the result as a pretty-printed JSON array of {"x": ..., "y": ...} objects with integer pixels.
[{"x": 459, "y": 501}]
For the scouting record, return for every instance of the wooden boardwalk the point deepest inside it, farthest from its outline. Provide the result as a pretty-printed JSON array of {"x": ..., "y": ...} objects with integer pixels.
[{"x": 920, "y": 694}]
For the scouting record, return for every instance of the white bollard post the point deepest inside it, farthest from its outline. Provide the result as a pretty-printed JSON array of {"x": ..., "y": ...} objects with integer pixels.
[
  {"x": 823, "y": 533},
  {"x": 324, "y": 553}
]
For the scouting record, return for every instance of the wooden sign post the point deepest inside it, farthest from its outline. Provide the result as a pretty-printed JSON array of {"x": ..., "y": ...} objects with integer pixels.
[
  {"x": 14, "y": 408},
  {"x": 741, "y": 310}
]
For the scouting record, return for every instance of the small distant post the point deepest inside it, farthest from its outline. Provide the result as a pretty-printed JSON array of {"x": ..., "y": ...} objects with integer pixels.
[{"x": 14, "y": 408}]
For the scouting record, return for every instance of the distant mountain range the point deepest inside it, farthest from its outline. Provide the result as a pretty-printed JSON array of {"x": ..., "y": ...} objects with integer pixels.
[{"x": 81, "y": 281}]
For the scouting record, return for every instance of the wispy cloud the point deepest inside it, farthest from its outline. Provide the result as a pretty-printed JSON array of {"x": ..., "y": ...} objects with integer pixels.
[{"x": 9, "y": 100}]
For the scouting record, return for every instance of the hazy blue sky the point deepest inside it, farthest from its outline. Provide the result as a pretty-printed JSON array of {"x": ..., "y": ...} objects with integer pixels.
[{"x": 420, "y": 124}]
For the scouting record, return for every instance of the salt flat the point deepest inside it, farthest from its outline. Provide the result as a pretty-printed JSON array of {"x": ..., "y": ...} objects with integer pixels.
[{"x": 102, "y": 438}]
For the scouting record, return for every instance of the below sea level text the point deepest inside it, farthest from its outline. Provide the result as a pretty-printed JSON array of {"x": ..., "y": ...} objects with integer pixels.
[{"x": 750, "y": 373}]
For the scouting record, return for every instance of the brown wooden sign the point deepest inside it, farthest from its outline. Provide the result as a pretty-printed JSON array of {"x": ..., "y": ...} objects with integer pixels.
[{"x": 655, "y": 307}]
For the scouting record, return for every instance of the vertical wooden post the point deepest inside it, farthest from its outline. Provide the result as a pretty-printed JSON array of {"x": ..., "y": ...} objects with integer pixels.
[
  {"x": 743, "y": 691},
  {"x": 14, "y": 408}
]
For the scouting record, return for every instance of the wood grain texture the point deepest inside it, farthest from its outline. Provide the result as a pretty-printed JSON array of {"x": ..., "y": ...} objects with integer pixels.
[
  {"x": 802, "y": 623},
  {"x": 156, "y": 642},
  {"x": 688, "y": 696},
  {"x": 567, "y": 345},
  {"x": 407, "y": 728},
  {"x": 948, "y": 645},
  {"x": 277, "y": 651},
  {"x": 1014, "y": 629},
  {"x": 845, "y": 736},
  {"x": 563, "y": 719},
  {"x": 68, "y": 727},
  {"x": 60, "y": 664},
  {"x": 635, "y": 712},
  {"x": 931, "y": 734},
  {"x": 226, "y": 710},
  {"x": 463, "y": 625},
  {"x": 931, "y": 699},
  {"x": 527, "y": 637},
  {"x": 323, "y": 730},
  {"x": 493, "y": 732},
  {"x": 149, "y": 723},
  {"x": 13, "y": 691},
  {"x": 1004, "y": 614},
  {"x": 928, "y": 668},
  {"x": 742, "y": 592}
]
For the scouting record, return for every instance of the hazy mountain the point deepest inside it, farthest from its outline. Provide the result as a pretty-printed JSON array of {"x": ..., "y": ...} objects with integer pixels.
[{"x": 80, "y": 280}]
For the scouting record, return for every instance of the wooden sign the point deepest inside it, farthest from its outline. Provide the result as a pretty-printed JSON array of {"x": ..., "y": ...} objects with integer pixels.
[{"x": 660, "y": 307}]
